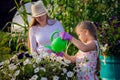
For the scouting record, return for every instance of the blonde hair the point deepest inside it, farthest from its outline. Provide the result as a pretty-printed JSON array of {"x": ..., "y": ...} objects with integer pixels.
[
  {"x": 33, "y": 22},
  {"x": 89, "y": 26}
]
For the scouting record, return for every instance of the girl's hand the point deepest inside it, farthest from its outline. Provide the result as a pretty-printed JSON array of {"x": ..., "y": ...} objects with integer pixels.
[
  {"x": 57, "y": 54},
  {"x": 65, "y": 36}
]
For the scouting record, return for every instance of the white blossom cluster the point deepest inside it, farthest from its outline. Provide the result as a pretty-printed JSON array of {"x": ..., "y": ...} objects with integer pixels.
[{"x": 44, "y": 66}]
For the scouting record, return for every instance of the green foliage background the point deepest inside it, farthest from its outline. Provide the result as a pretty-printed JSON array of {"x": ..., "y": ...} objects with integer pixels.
[{"x": 69, "y": 12}]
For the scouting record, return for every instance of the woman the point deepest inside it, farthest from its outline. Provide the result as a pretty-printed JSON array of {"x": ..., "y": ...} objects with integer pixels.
[{"x": 41, "y": 28}]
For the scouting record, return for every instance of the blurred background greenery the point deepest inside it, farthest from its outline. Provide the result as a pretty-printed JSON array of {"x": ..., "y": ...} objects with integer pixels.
[{"x": 69, "y": 12}]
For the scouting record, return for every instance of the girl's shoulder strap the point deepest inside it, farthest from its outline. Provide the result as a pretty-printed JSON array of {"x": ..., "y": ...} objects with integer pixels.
[{"x": 98, "y": 49}]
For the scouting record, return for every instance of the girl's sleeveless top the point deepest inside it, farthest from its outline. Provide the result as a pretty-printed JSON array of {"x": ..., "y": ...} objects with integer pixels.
[{"x": 86, "y": 64}]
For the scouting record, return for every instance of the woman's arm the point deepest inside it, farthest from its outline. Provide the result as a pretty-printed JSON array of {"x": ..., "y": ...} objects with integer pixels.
[{"x": 32, "y": 39}]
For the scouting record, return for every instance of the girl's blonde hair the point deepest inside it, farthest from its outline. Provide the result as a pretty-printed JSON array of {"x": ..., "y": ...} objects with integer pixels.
[{"x": 89, "y": 26}]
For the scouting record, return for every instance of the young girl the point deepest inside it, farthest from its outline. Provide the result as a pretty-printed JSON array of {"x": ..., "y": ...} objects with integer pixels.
[{"x": 86, "y": 57}]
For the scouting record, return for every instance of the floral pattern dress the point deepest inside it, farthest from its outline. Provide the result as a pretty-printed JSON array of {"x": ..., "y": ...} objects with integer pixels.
[{"x": 86, "y": 64}]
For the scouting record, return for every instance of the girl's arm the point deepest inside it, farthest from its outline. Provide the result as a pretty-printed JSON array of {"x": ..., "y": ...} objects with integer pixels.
[
  {"x": 71, "y": 58},
  {"x": 84, "y": 47}
]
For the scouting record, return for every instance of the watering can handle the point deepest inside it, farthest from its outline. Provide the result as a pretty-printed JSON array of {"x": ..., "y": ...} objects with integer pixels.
[{"x": 52, "y": 35}]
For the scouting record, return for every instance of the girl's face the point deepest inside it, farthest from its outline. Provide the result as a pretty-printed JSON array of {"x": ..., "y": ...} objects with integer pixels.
[
  {"x": 42, "y": 20},
  {"x": 82, "y": 34}
]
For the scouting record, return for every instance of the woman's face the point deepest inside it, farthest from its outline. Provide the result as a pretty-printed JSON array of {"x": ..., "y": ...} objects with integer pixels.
[{"x": 42, "y": 20}]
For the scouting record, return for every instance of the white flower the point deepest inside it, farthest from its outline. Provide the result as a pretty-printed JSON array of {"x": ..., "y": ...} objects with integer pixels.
[
  {"x": 40, "y": 50},
  {"x": 52, "y": 57},
  {"x": 7, "y": 61},
  {"x": 13, "y": 79},
  {"x": 38, "y": 60},
  {"x": 105, "y": 24},
  {"x": 55, "y": 78},
  {"x": 1, "y": 65},
  {"x": 53, "y": 65},
  {"x": 15, "y": 56},
  {"x": 81, "y": 10},
  {"x": 10, "y": 75},
  {"x": 62, "y": 73},
  {"x": 34, "y": 54},
  {"x": 104, "y": 47},
  {"x": 69, "y": 74},
  {"x": 27, "y": 61},
  {"x": 62, "y": 62},
  {"x": 43, "y": 78},
  {"x": 34, "y": 77},
  {"x": 75, "y": 69},
  {"x": 34, "y": 65},
  {"x": 64, "y": 70},
  {"x": 59, "y": 58},
  {"x": 67, "y": 61},
  {"x": 43, "y": 69},
  {"x": 36, "y": 70},
  {"x": 16, "y": 73},
  {"x": 12, "y": 67},
  {"x": 44, "y": 54}
]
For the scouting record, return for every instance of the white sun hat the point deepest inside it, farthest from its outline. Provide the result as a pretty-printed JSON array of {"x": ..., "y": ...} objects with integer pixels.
[{"x": 38, "y": 9}]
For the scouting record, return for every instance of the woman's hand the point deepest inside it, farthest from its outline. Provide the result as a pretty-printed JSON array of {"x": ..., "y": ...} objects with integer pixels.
[{"x": 60, "y": 54}]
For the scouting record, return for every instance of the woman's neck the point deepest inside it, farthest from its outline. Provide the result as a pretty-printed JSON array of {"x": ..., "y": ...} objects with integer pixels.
[{"x": 42, "y": 24}]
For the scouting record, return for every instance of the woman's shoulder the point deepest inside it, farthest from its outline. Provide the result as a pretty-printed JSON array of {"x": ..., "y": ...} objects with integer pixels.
[
  {"x": 33, "y": 27},
  {"x": 52, "y": 22}
]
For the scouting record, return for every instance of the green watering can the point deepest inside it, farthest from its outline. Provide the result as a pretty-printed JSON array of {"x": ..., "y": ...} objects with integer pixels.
[{"x": 57, "y": 44}]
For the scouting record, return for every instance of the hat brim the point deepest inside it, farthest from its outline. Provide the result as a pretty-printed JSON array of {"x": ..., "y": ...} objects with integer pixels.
[{"x": 39, "y": 15}]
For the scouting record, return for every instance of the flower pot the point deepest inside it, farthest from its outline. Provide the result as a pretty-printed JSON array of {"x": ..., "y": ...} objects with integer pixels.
[{"x": 109, "y": 68}]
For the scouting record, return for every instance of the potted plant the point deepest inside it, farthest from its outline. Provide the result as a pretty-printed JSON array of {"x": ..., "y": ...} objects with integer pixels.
[{"x": 109, "y": 39}]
